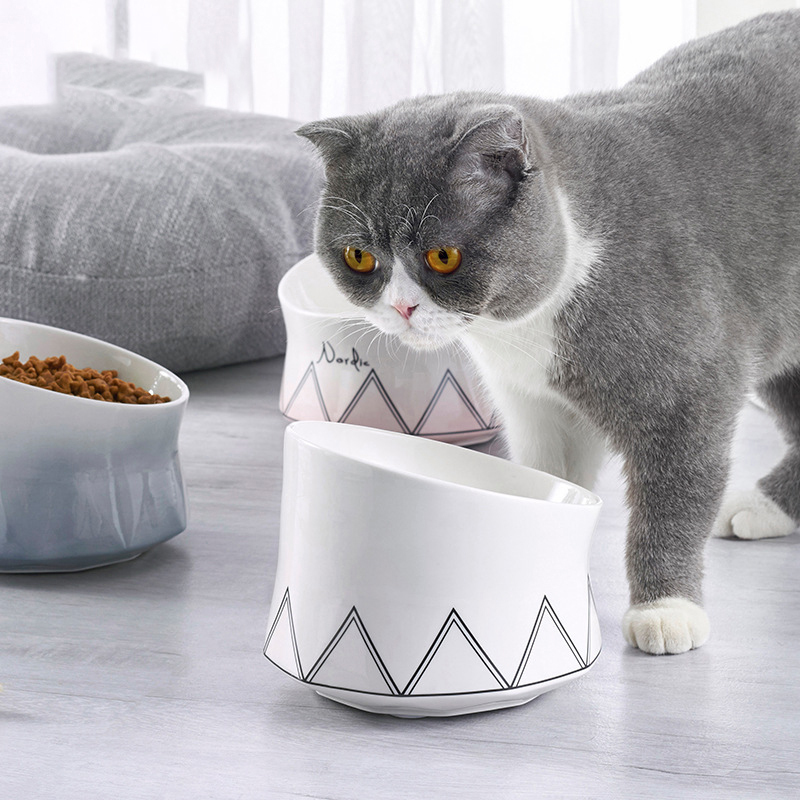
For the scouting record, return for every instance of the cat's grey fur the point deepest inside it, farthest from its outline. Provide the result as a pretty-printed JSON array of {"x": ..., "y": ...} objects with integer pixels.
[{"x": 654, "y": 230}]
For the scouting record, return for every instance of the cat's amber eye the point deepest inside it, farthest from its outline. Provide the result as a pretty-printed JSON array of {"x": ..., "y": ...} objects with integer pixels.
[
  {"x": 444, "y": 259},
  {"x": 359, "y": 260}
]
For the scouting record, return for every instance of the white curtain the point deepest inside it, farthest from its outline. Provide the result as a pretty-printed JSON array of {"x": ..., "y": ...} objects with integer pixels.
[{"x": 311, "y": 58}]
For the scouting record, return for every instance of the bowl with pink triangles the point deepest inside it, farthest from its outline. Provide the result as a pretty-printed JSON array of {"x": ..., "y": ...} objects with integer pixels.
[{"x": 339, "y": 369}]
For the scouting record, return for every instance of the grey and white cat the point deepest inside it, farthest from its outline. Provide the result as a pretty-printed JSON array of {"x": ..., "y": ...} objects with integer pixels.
[{"x": 622, "y": 266}]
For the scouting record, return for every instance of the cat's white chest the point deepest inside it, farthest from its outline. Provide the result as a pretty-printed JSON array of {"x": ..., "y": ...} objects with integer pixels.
[
  {"x": 541, "y": 427},
  {"x": 514, "y": 356}
]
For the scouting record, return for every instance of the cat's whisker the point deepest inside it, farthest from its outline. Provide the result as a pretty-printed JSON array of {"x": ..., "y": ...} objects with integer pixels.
[
  {"x": 398, "y": 349},
  {"x": 343, "y": 324},
  {"x": 361, "y": 217},
  {"x": 378, "y": 334},
  {"x": 393, "y": 345},
  {"x": 507, "y": 321},
  {"x": 364, "y": 333},
  {"x": 357, "y": 331},
  {"x": 499, "y": 330},
  {"x": 347, "y": 213},
  {"x": 390, "y": 343},
  {"x": 407, "y": 220},
  {"x": 461, "y": 348},
  {"x": 360, "y": 331},
  {"x": 349, "y": 202},
  {"x": 353, "y": 322},
  {"x": 426, "y": 216},
  {"x": 309, "y": 207},
  {"x": 386, "y": 341},
  {"x": 408, "y": 230},
  {"x": 543, "y": 331},
  {"x": 405, "y": 359},
  {"x": 346, "y": 237},
  {"x": 522, "y": 345},
  {"x": 523, "y": 340},
  {"x": 524, "y": 352},
  {"x": 335, "y": 320}
]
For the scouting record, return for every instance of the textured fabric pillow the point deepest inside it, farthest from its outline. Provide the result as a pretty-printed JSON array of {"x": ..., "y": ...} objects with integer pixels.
[{"x": 133, "y": 214}]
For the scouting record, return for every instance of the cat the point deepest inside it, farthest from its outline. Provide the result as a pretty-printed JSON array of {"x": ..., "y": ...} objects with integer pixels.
[{"x": 622, "y": 266}]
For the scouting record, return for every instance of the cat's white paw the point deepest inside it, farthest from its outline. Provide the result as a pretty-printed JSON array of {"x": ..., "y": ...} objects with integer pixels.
[
  {"x": 751, "y": 515},
  {"x": 668, "y": 625}
]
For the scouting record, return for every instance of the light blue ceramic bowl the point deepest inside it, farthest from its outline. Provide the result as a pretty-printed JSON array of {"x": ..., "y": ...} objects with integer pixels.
[{"x": 85, "y": 483}]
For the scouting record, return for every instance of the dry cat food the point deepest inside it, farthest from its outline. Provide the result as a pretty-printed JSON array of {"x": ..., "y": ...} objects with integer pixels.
[{"x": 56, "y": 374}]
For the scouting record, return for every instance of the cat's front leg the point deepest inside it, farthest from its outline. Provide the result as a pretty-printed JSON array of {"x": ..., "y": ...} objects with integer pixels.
[
  {"x": 676, "y": 478},
  {"x": 543, "y": 433}
]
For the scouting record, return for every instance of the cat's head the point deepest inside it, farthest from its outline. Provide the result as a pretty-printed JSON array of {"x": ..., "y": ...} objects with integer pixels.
[{"x": 436, "y": 211}]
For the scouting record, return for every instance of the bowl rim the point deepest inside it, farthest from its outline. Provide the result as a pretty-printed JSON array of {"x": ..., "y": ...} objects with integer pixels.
[
  {"x": 181, "y": 400},
  {"x": 287, "y": 302},
  {"x": 589, "y": 500}
]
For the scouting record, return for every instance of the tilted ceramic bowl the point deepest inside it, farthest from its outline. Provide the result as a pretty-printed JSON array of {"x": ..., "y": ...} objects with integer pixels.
[
  {"x": 341, "y": 369},
  {"x": 85, "y": 483},
  {"x": 416, "y": 578}
]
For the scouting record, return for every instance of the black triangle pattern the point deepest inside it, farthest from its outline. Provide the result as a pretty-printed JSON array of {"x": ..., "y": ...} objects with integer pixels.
[
  {"x": 589, "y": 620},
  {"x": 453, "y": 618},
  {"x": 546, "y": 608},
  {"x": 285, "y": 608},
  {"x": 353, "y": 618},
  {"x": 372, "y": 378}
]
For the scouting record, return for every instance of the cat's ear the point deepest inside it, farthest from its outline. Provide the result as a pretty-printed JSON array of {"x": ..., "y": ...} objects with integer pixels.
[
  {"x": 493, "y": 149},
  {"x": 334, "y": 138}
]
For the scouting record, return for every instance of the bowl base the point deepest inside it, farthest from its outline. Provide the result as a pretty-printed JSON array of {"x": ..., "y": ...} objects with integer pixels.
[
  {"x": 445, "y": 705},
  {"x": 78, "y": 564}
]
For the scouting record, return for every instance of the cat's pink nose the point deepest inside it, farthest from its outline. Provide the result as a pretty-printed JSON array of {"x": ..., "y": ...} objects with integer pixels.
[{"x": 404, "y": 310}]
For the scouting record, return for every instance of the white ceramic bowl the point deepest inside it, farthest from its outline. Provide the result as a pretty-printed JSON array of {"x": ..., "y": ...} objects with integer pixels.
[
  {"x": 416, "y": 578},
  {"x": 82, "y": 482},
  {"x": 340, "y": 368}
]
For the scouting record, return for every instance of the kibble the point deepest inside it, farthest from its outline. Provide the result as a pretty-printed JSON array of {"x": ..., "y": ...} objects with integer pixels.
[{"x": 56, "y": 375}]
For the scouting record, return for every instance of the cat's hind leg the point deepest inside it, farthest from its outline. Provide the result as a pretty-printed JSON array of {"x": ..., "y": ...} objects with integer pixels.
[
  {"x": 751, "y": 514},
  {"x": 772, "y": 508}
]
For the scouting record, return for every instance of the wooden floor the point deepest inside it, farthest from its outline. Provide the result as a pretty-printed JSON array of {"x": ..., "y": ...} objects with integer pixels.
[{"x": 147, "y": 680}]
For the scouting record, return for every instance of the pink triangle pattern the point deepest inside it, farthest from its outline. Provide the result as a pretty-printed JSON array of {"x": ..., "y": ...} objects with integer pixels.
[
  {"x": 303, "y": 398},
  {"x": 373, "y": 405},
  {"x": 372, "y": 411},
  {"x": 446, "y": 403}
]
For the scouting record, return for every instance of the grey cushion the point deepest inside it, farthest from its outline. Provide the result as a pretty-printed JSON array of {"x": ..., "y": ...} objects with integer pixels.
[{"x": 131, "y": 213}]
